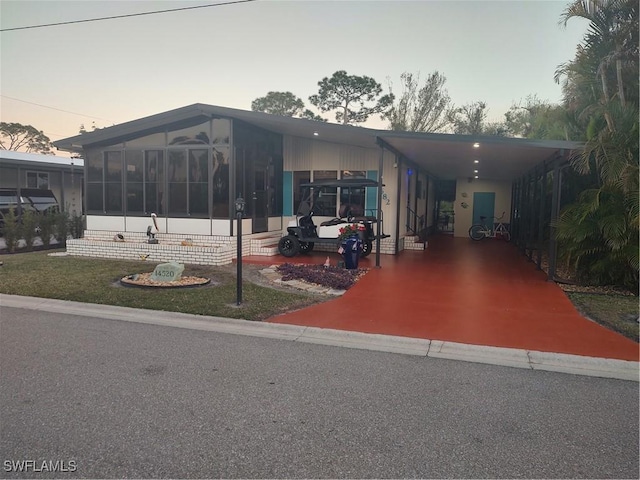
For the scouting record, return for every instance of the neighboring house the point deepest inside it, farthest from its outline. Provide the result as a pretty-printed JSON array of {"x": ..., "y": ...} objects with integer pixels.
[
  {"x": 63, "y": 177},
  {"x": 188, "y": 165}
]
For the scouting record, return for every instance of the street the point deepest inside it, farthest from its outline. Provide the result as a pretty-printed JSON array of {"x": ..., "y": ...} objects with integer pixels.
[{"x": 120, "y": 399}]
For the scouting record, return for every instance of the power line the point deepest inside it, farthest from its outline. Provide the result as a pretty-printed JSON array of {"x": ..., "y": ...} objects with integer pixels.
[
  {"x": 53, "y": 108},
  {"x": 125, "y": 16}
]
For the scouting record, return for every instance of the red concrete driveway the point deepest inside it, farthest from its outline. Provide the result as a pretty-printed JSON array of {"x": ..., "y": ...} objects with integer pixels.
[{"x": 481, "y": 293}]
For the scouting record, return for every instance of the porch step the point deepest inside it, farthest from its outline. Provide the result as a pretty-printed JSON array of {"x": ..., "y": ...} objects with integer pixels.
[
  {"x": 412, "y": 242},
  {"x": 266, "y": 245}
]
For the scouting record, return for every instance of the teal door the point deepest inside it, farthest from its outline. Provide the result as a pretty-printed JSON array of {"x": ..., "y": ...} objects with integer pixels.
[{"x": 483, "y": 205}]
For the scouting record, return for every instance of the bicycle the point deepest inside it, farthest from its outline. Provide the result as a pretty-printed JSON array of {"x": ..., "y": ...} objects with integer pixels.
[{"x": 478, "y": 231}]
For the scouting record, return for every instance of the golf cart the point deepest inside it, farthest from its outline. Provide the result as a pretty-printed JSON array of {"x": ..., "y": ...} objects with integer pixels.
[{"x": 303, "y": 233}]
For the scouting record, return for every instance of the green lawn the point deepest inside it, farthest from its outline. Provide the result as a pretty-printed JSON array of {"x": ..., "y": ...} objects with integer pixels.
[
  {"x": 616, "y": 312},
  {"x": 92, "y": 280}
]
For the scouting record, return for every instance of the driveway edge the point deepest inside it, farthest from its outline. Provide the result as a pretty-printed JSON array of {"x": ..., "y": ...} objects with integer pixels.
[{"x": 508, "y": 357}]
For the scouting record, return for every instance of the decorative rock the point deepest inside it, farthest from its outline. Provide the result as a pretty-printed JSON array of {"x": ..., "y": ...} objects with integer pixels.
[{"x": 167, "y": 272}]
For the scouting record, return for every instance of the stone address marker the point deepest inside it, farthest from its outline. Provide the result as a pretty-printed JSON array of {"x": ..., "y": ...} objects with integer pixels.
[{"x": 167, "y": 272}]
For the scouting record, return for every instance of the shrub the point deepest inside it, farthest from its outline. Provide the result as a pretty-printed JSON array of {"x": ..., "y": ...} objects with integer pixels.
[
  {"x": 330, "y": 277},
  {"x": 29, "y": 228},
  {"x": 11, "y": 230},
  {"x": 47, "y": 227},
  {"x": 76, "y": 225},
  {"x": 62, "y": 222}
]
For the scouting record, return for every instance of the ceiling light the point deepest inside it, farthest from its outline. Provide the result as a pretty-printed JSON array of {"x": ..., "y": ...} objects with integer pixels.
[
  {"x": 476, "y": 161},
  {"x": 476, "y": 145}
]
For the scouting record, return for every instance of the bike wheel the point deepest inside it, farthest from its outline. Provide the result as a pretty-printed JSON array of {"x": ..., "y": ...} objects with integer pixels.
[{"x": 476, "y": 232}]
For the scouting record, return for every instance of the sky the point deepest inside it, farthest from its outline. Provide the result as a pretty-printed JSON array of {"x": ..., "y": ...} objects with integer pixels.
[{"x": 108, "y": 72}]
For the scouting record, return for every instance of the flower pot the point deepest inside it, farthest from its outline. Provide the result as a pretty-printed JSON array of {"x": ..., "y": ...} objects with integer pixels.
[{"x": 351, "y": 248}]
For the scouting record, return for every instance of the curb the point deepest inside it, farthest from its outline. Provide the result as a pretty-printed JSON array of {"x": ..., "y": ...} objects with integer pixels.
[{"x": 507, "y": 357}]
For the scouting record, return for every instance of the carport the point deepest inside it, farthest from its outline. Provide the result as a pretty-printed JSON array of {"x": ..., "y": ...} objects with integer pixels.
[{"x": 534, "y": 169}]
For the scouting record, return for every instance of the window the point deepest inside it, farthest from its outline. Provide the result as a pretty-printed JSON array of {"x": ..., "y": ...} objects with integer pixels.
[
  {"x": 95, "y": 186},
  {"x": 220, "y": 183},
  {"x": 221, "y": 130},
  {"x": 154, "y": 182},
  {"x": 188, "y": 173},
  {"x": 113, "y": 182},
  {"x": 135, "y": 191},
  {"x": 197, "y": 135},
  {"x": 198, "y": 185},
  {"x": 177, "y": 173},
  {"x": 38, "y": 180}
]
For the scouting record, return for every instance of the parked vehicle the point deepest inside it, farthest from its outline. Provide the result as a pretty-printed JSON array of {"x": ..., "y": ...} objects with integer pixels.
[
  {"x": 34, "y": 199},
  {"x": 303, "y": 234}
]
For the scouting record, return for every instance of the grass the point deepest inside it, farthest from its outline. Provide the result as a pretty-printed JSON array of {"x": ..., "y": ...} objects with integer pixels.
[
  {"x": 93, "y": 280},
  {"x": 616, "y": 312}
]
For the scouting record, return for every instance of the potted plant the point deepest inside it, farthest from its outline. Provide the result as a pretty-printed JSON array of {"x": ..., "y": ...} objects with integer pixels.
[{"x": 350, "y": 244}]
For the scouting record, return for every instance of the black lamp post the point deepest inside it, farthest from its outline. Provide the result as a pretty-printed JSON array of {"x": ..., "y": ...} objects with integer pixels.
[{"x": 239, "y": 211}]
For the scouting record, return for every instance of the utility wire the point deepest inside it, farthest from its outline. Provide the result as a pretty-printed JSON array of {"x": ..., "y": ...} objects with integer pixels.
[
  {"x": 125, "y": 16},
  {"x": 53, "y": 108}
]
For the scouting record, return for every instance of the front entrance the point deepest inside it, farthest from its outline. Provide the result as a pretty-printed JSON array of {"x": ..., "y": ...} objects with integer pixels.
[
  {"x": 260, "y": 199},
  {"x": 483, "y": 206}
]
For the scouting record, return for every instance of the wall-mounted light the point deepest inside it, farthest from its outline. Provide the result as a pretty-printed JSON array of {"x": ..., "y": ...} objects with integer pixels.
[
  {"x": 315, "y": 134},
  {"x": 476, "y": 176},
  {"x": 475, "y": 171},
  {"x": 476, "y": 145},
  {"x": 476, "y": 161}
]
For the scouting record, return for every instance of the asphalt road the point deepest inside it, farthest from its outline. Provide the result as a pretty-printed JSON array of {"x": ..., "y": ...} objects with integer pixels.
[{"x": 119, "y": 399}]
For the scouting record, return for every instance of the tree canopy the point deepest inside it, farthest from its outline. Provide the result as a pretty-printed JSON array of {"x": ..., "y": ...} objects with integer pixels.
[
  {"x": 538, "y": 119},
  {"x": 18, "y": 137},
  {"x": 279, "y": 103},
  {"x": 285, "y": 104},
  {"x": 354, "y": 97},
  {"x": 470, "y": 119},
  {"x": 421, "y": 109}
]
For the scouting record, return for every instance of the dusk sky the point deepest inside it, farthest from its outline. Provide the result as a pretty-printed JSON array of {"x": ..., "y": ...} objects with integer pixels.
[{"x": 114, "y": 71}]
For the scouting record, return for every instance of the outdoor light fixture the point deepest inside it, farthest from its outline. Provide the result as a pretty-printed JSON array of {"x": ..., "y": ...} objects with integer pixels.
[
  {"x": 239, "y": 203},
  {"x": 476, "y": 161},
  {"x": 476, "y": 145},
  {"x": 475, "y": 171},
  {"x": 315, "y": 134},
  {"x": 476, "y": 176}
]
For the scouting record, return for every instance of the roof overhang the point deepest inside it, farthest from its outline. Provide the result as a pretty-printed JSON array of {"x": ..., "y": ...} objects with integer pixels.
[
  {"x": 445, "y": 156},
  {"x": 34, "y": 160}
]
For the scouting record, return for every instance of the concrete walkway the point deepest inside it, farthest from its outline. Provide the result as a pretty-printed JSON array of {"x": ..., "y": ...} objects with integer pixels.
[
  {"x": 475, "y": 293},
  {"x": 518, "y": 358}
]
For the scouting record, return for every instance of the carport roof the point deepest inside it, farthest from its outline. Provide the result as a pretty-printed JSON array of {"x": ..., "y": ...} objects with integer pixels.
[{"x": 446, "y": 156}]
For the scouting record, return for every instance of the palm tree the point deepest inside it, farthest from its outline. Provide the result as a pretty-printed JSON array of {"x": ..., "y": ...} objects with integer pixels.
[{"x": 599, "y": 233}]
